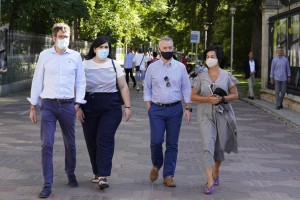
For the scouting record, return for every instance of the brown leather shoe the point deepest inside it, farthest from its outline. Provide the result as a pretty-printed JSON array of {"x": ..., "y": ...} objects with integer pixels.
[
  {"x": 168, "y": 181},
  {"x": 153, "y": 173}
]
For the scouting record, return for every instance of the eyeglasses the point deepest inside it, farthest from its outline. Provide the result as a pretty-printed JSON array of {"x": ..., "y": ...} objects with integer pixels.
[
  {"x": 62, "y": 36},
  {"x": 168, "y": 84}
]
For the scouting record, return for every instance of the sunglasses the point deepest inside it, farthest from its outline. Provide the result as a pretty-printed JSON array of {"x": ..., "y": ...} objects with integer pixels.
[
  {"x": 168, "y": 84},
  {"x": 211, "y": 88}
]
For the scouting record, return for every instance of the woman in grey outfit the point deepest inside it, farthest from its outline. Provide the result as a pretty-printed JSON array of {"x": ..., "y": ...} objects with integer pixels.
[{"x": 213, "y": 90}]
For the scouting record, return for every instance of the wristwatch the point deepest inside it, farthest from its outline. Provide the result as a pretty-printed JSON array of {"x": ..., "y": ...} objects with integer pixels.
[{"x": 189, "y": 109}]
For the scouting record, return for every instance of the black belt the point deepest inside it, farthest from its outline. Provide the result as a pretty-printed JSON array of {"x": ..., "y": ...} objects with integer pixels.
[
  {"x": 167, "y": 104},
  {"x": 61, "y": 100}
]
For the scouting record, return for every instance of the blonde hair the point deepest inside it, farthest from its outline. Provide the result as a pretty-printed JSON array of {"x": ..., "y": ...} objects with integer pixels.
[{"x": 60, "y": 27}]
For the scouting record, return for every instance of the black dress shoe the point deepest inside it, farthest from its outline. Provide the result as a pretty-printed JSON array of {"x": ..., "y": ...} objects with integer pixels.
[
  {"x": 252, "y": 98},
  {"x": 278, "y": 108},
  {"x": 281, "y": 106},
  {"x": 45, "y": 192},
  {"x": 72, "y": 181}
]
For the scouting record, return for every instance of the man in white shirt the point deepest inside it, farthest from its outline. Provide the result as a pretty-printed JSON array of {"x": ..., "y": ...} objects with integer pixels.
[
  {"x": 128, "y": 63},
  {"x": 59, "y": 81},
  {"x": 140, "y": 60},
  {"x": 250, "y": 69}
]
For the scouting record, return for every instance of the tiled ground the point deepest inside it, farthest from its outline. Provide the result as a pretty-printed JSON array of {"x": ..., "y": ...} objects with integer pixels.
[{"x": 266, "y": 168}]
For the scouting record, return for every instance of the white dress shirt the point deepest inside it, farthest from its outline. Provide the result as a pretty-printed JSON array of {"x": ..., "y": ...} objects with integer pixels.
[{"x": 57, "y": 76}]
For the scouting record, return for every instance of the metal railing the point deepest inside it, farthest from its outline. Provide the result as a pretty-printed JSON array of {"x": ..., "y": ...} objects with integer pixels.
[{"x": 22, "y": 51}]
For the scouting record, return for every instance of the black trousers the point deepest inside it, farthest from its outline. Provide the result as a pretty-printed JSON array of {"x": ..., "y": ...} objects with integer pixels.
[
  {"x": 103, "y": 114},
  {"x": 127, "y": 72}
]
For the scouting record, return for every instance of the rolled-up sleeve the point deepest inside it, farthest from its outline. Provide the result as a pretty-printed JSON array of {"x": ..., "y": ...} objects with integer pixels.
[
  {"x": 37, "y": 81},
  {"x": 148, "y": 86},
  {"x": 80, "y": 83},
  {"x": 186, "y": 87}
]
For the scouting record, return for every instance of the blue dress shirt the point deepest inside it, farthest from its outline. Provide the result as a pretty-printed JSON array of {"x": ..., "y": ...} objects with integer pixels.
[{"x": 155, "y": 84}]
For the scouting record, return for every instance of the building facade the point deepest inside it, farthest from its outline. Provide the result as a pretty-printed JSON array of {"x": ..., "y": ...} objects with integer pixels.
[{"x": 281, "y": 27}]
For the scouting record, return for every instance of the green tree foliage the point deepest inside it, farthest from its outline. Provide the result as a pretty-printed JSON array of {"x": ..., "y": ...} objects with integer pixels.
[
  {"x": 140, "y": 23},
  {"x": 40, "y": 15}
]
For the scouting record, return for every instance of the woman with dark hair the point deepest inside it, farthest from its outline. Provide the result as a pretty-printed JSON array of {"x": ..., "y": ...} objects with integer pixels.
[
  {"x": 213, "y": 90},
  {"x": 102, "y": 114}
]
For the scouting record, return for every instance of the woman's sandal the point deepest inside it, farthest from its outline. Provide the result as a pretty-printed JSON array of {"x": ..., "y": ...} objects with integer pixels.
[
  {"x": 209, "y": 190},
  {"x": 216, "y": 181}
]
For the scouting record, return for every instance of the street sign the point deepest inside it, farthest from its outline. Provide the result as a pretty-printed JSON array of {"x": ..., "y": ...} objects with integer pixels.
[{"x": 195, "y": 36}]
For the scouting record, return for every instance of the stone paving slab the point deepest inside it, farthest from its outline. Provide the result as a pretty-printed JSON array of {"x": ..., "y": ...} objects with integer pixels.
[{"x": 266, "y": 168}]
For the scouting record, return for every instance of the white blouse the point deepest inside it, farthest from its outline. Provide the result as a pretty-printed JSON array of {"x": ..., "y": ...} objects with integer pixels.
[{"x": 101, "y": 77}]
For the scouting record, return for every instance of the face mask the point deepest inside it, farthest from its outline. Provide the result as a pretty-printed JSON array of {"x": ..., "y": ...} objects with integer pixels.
[
  {"x": 211, "y": 62},
  {"x": 63, "y": 43},
  {"x": 102, "y": 53},
  {"x": 167, "y": 55}
]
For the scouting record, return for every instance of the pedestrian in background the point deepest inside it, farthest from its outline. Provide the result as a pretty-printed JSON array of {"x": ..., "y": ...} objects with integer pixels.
[
  {"x": 140, "y": 60},
  {"x": 280, "y": 74},
  {"x": 128, "y": 64},
  {"x": 102, "y": 114},
  {"x": 250, "y": 67},
  {"x": 58, "y": 75},
  {"x": 166, "y": 85},
  {"x": 213, "y": 90}
]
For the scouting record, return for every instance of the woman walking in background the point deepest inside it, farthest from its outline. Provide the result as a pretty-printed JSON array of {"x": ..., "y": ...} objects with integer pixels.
[{"x": 213, "y": 90}]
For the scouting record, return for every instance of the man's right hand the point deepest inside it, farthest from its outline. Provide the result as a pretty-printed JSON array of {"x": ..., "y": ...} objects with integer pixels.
[
  {"x": 271, "y": 81},
  {"x": 32, "y": 116}
]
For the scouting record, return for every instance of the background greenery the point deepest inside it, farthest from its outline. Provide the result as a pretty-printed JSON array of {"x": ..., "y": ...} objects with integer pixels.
[{"x": 140, "y": 23}]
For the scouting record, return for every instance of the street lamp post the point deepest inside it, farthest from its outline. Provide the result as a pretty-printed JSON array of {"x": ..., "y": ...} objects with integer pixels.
[
  {"x": 205, "y": 36},
  {"x": 232, "y": 11}
]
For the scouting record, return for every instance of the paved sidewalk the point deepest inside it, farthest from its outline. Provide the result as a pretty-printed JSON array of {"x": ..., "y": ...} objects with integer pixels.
[{"x": 266, "y": 168}]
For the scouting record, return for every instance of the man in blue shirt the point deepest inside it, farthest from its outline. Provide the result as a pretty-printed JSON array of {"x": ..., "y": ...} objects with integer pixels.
[
  {"x": 166, "y": 85},
  {"x": 59, "y": 81},
  {"x": 128, "y": 64},
  {"x": 279, "y": 74}
]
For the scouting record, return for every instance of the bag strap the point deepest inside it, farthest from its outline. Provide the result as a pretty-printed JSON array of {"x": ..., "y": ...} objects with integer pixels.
[
  {"x": 142, "y": 59},
  {"x": 116, "y": 74}
]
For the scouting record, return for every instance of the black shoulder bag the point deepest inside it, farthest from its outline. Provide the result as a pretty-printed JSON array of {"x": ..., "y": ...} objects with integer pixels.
[
  {"x": 137, "y": 68},
  {"x": 117, "y": 85}
]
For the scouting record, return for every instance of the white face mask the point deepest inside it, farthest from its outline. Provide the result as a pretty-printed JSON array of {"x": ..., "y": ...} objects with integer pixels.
[
  {"x": 102, "y": 53},
  {"x": 211, "y": 62},
  {"x": 63, "y": 43}
]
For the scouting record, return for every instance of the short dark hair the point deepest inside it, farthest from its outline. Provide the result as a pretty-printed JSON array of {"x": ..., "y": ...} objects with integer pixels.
[
  {"x": 154, "y": 54},
  {"x": 219, "y": 53},
  {"x": 97, "y": 43}
]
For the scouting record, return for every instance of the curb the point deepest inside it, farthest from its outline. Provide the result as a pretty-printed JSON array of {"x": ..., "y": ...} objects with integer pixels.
[{"x": 275, "y": 115}]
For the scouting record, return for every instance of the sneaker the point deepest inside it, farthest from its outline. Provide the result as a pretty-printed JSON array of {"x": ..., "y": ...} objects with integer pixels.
[
  {"x": 72, "y": 181},
  {"x": 103, "y": 183},
  {"x": 95, "y": 179},
  {"x": 168, "y": 181},
  {"x": 153, "y": 174},
  {"x": 45, "y": 193}
]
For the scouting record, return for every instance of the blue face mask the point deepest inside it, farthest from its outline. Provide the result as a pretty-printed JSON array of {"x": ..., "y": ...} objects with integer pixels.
[{"x": 102, "y": 53}]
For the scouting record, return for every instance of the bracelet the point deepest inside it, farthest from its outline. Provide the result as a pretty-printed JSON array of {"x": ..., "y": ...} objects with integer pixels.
[{"x": 127, "y": 107}]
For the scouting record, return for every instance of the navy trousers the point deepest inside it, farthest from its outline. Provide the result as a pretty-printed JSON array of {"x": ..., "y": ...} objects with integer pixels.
[
  {"x": 65, "y": 114},
  {"x": 103, "y": 114},
  {"x": 165, "y": 120}
]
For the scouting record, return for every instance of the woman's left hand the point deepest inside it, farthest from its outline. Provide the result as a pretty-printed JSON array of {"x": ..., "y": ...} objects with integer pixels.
[{"x": 127, "y": 113}]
